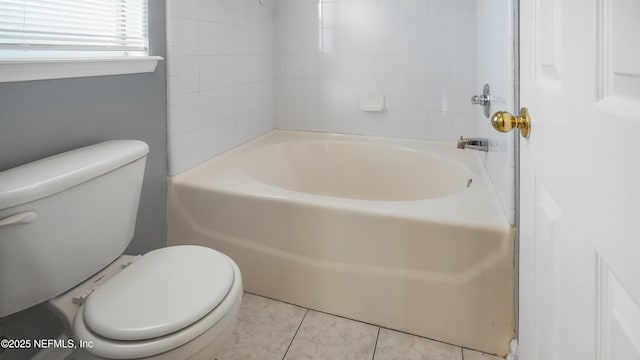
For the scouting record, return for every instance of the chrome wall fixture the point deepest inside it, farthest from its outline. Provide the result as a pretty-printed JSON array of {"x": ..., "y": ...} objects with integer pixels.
[
  {"x": 483, "y": 100},
  {"x": 480, "y": 144}
]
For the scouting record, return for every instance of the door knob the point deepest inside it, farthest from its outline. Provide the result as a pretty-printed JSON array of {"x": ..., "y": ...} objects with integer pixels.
[{"x": 505, "y": 122}]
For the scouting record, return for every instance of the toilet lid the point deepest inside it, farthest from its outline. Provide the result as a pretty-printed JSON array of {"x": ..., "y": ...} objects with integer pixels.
[{"x": 162, "y": 292}]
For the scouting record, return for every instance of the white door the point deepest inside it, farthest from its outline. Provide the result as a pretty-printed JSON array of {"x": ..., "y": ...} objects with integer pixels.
[{"x": 580, "y": 180}]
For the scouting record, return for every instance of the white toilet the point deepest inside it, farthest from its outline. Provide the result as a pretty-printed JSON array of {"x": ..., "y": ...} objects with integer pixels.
[{"x": 65, "y": 222}]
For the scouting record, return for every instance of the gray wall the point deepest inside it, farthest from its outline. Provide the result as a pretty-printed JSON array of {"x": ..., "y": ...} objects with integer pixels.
[{"x": 42, "y": 118}]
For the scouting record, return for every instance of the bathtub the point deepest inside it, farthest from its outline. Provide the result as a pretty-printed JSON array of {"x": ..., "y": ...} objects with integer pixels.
[{"x": 404, "y": 234}]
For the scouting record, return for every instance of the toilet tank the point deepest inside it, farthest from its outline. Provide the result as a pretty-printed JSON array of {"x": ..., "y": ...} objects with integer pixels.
[{"x": 64, "y": 218}]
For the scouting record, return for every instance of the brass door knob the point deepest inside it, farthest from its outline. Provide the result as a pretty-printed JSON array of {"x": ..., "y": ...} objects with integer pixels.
[{"x": 505, "y": 122}]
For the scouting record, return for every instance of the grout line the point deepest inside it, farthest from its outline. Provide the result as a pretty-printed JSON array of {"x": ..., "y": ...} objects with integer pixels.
[
  {"x": 376, "y": 346},
  {"x": 296, "y": 334},
  {"x": 420, "y": 336},
  {"x": 461, "y": 353},
  {"x": 274, "y": 299},
  {"x": 478, "y": 351}
]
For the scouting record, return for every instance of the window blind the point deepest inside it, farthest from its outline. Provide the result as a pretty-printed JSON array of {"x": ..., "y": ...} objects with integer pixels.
[{"x": 74, "y": 25}]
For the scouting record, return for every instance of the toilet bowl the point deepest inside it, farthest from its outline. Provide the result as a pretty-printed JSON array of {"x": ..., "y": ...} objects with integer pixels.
[
  {"x": 65, "y": 222},
  {"x": 109, "y": 317}
]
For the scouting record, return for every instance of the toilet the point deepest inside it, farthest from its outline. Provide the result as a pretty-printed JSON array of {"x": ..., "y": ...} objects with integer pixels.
[{"x": 65, "y": 222}]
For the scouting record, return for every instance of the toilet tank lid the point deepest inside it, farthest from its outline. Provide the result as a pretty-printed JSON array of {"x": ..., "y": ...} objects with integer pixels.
[{"x": 57, "y": 173}]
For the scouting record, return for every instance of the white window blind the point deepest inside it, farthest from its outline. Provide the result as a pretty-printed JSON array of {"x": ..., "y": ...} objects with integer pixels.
[{"x": 42, "y": 26}]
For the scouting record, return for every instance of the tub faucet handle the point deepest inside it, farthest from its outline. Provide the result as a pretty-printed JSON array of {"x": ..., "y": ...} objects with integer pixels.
[
  {"x": 479, "y": 100},
  {"x": 483, "y": 100}
]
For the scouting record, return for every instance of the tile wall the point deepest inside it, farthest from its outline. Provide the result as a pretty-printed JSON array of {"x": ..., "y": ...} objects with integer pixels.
[
  {"x": 220, "y": 77},
  {"x": 497, "y": 37},
  {"x": 238, "y": 69},
  {"x": 420, "y": 54}
]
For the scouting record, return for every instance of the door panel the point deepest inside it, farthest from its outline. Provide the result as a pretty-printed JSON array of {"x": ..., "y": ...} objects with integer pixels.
[
  {"x": 580, "y": 180},
  {"x": 619, "y": 55},
  {"x": 546, "y": 285},
  {"x": 549, "y": 41},
  {"x": 619, "y": 323}
]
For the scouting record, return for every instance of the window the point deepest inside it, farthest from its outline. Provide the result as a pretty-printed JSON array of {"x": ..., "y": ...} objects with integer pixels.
[{"x": 73, "y": 34}]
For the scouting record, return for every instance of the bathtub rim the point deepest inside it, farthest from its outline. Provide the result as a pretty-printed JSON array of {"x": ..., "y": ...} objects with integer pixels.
[{"x": 487, "y": 213}]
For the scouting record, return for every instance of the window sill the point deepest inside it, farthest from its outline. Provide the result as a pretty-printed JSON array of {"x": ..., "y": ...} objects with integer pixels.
[{"x": 12, "y": 70}]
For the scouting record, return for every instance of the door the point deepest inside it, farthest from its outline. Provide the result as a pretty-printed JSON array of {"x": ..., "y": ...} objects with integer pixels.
[{"x": 580, "y": 180}]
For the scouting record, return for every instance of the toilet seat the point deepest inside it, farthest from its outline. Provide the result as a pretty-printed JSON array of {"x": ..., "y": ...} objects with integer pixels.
[
  {"x": 114, "y": 341},
  {"x": 162, "y": 292}
]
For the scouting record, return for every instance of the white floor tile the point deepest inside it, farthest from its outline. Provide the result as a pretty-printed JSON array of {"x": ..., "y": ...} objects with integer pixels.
[
  {"x": 394, "y": 345},
  {"x": 264, "y": 330},
  {"x": 328, "y": 337},
  {"x": 475, "y": 355}
]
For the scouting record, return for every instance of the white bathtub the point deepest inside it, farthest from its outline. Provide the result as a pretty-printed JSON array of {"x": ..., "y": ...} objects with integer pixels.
[{"x": 406, "y": 234}]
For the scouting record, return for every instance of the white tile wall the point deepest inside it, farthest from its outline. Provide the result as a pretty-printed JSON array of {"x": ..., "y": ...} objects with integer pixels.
[
  {"x": 220, "y": 77},
  {"x": 419, "y": 53},
  {"x": 497, "y": 37}
]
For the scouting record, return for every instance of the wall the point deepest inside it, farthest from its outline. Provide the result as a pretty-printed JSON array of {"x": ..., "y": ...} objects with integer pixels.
[
  {"x": 419, "y": 53},
  {"x": 220, "y": 59},
  {"x": 42, "y": 118},
  {"x": 497, "y": 37},
  {"x": 426, "y": 56}
]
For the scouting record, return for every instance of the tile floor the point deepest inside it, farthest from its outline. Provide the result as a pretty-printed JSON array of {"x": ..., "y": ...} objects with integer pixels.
[{"x": 273, "y": 330}]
